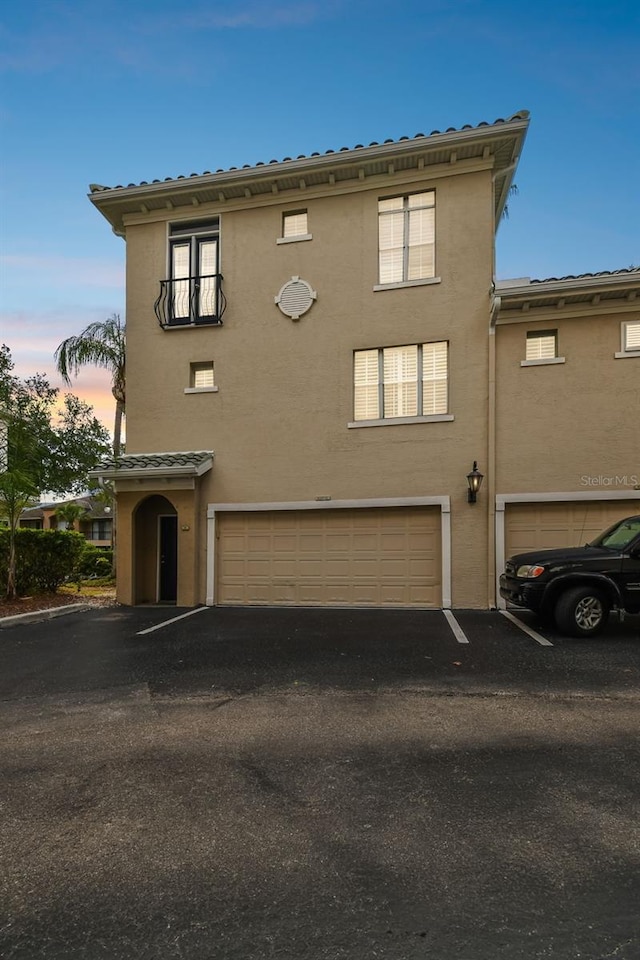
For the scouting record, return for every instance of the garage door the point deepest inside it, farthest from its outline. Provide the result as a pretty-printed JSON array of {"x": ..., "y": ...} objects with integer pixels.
[
  {"x": 352, "y": 558},
  {"x": 535, "y": 526}
]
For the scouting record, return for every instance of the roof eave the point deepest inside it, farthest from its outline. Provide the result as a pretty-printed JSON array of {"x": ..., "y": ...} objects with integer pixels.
[
  {"x": 106, "y": 200},
  {"x": 546, "y": 288}
]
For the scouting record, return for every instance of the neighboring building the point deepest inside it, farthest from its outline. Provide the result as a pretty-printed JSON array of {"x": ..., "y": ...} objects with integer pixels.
[
  {"x": 567, "y": 458},
  {"x": 317, "y": 354},
  {"x": 96, "y": 525}
]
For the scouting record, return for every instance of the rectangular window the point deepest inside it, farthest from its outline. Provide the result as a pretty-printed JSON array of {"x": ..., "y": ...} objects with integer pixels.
[
  {"x": 193, "y": 285},
  {"x": 295, "y": 224},
  {"x": 202, "y": 375},
  {"x": 542, "y": 345},
  {"x": 399, "y": 382},
  {"x": 631, "y": 336},
  {"x": 100, "y": 530},
  {"x": 406, "y": 238}
]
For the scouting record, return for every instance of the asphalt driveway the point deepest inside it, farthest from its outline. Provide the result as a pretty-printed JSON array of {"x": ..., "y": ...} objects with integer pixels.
[
  {"x": 330, "y": 785},
  {"x": 240, "y": 650}
]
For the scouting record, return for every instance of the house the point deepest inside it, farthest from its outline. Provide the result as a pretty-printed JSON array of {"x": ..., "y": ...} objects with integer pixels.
[
  {"x": 567, "y": 457},
  {"x": 319, "y": 361},
  {"x": 96, "y": 525}
]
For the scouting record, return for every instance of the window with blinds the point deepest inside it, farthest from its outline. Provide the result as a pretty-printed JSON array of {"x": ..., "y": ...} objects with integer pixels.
[
  {"x": 406, "y": 237},
  {"x": 295, "y": 224},
  {"x": 542, "y": 345},
  {"x": 194, "y": 268},
  {"x": 631, "y": 336},
  {"x": 395, "y": 382},
  {"x": 202, "y": 375}
]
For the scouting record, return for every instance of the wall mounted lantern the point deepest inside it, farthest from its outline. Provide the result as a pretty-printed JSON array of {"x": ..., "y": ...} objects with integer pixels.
[{"x": 474, "y": 479}]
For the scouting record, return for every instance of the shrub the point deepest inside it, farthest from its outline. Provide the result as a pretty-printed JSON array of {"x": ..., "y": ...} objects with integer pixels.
[
  {"x": 94, "y": 562},
  {"x": 44, "y": 558}
]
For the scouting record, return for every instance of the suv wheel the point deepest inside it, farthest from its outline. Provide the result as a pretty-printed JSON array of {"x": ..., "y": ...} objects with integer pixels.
[{"x": 581, "y": 612}]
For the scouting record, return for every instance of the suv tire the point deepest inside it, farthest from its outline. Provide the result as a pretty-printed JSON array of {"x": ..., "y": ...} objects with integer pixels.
[{"x": 581, "y": 612}]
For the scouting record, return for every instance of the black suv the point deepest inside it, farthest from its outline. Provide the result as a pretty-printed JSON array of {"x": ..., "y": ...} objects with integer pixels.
[{"x": 578, "y": 586}]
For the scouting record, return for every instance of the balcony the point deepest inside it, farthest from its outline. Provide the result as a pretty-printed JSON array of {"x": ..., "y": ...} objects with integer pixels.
[{"x": 191, "y": 302}]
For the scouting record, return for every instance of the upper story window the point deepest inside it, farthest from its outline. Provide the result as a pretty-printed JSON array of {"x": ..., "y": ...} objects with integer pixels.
[
  {"x": 541, "y": 347},
  {"x": 406, "y": 238},
  {"x": 201, "y": 378},
  {"x": 630, "y": 339},
  {"x": 294, "y": 226},
  {"x": 192, "y": 294},
  {"x": 401, "y": 383}
]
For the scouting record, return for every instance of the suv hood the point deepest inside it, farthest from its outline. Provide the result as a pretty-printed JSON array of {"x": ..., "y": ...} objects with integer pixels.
[{"x": 561, "y": 555}]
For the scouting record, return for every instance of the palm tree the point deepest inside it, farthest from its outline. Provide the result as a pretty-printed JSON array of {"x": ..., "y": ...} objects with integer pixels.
[
  {"x": 70, "y": 512},
  {"x": 103, "y": 345}
]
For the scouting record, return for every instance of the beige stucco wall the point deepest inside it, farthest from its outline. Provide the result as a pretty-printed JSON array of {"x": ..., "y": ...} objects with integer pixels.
[
  {"x": 137, "y": 556},
  {"x": 278, "y": 424},
  {"x": 568, "y": 426}
]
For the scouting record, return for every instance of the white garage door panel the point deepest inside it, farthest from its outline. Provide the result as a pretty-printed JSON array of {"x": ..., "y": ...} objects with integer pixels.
[
  {"x": 540, "y": 526},
  {"x": 381, "y": 557}
]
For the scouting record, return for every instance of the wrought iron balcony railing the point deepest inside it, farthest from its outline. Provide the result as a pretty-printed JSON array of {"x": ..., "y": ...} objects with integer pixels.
[{"x": 190, "y": 301}]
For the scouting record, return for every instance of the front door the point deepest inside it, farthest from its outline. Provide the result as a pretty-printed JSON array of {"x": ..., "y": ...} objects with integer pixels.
[{"x": 168, "y": 554}]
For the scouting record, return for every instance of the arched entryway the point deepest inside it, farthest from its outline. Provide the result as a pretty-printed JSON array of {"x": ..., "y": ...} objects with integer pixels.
[{"x": 156, "y": 551}]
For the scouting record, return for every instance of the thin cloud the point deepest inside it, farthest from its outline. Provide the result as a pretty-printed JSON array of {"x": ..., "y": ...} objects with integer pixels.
[
  {"x": 63, "y": 37},
  {"x": 257, "y": 16}
]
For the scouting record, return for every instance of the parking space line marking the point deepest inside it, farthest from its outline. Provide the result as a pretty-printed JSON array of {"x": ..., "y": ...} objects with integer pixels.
[
  {"x": 165, "y": 623},
  {"x": 456, "y": 629},
  {"x": 532, "y": 633}
]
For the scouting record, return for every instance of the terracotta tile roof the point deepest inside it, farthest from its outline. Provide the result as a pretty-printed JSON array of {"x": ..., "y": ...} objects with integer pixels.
[
  {"x": 188, "y": 463},
  {"x": 143, "y": 461},
  {"x": 586, "y": 276},
  {"x": 520, "y": 115}
]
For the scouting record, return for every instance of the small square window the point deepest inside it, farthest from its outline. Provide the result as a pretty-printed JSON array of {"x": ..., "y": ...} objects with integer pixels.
[
  {"x": 201, "y": 378},
  {"x": 294, "y": 224},
  {"x": 630, "y": 338},
  {"x": 542, "y": 345},
  {"x": 295, "y": 227},
  {"x": 541, "y": 348}
]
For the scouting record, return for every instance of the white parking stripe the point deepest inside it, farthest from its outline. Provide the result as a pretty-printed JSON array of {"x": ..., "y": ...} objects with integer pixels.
[
  {"x": 165, "y": 623},
  {"x": 456, "y": 629},
  {"x": 531, "y": 633}
]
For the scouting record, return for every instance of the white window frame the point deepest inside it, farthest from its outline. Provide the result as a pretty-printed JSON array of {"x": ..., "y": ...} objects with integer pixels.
[
  {"x": 383, "y": 420},
  {"x": 625, "y": 351},
  {"x": 194, "y": 369},
  {"x": 539, "y": 335},
  {"x": 407, "y": 211},
  {"x": 294, "y": 237}
]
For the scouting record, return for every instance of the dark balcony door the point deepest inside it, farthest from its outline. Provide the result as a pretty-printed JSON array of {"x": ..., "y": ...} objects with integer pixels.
[
  {"x": 168, "y": 549},
  {"x": 194, "y": 265}
]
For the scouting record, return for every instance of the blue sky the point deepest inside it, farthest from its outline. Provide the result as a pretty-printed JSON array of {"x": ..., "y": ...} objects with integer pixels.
[{"x": 120, "y": 91}]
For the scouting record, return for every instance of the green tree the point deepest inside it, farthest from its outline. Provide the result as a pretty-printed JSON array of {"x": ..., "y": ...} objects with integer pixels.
[
  {"x": 69, "y": 513},
  {"x": 101, "y": 344},
  {"x": 41, "y": 448}
]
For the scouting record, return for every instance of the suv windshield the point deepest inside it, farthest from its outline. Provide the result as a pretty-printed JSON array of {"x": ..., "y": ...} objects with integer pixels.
[{"x": 620, "y": 535}]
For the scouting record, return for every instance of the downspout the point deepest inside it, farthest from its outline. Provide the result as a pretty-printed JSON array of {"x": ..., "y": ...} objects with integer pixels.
[{"x": 491, "y": 454}]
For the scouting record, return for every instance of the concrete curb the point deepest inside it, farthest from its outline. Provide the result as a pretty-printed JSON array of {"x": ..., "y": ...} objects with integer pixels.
[{"x": 44, "y": 614}]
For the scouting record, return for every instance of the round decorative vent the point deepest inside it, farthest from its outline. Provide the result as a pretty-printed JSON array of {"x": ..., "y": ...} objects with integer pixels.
[{"x": 295, "y": 298}]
